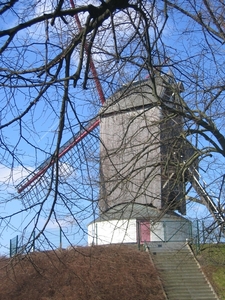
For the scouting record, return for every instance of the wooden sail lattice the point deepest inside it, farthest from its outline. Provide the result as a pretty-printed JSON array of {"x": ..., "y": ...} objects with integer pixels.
[{"x": 74, "y": 173}]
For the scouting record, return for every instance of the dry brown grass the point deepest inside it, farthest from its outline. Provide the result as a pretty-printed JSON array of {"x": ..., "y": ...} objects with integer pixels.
[{"x": 100, "y": 272}]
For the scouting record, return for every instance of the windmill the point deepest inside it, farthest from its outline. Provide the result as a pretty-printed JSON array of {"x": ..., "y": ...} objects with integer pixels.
[{"x": 139, "y": 186}]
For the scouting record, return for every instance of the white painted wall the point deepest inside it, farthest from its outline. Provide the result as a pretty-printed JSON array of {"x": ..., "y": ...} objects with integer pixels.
[
  {"x": 157, "y": 232},
  {"x": 125, "y": 231},
  {"x": 112, "y": 232}
]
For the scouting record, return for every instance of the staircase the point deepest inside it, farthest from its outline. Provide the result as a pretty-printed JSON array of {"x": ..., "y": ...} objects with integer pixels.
[{"x": 180, "y": 273}]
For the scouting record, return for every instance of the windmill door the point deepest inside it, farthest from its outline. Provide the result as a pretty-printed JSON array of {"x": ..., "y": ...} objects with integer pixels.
[{"x": 144, "y": 231}]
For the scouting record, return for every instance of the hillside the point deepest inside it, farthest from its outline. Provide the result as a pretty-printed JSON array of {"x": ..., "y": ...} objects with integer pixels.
[
  {"x": 212, "y": 260},
  {"x": 106, "y": 272}
]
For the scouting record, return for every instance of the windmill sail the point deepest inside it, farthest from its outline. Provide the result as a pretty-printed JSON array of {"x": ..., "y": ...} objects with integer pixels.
[{"x": 80, "y": 150}]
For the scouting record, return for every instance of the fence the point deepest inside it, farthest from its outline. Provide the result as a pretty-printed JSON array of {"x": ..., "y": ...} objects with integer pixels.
[{"x": 55, "y": 238}]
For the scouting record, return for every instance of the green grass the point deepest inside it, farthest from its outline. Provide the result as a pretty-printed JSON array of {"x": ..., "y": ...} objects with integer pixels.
[{"x": 212, "y": 260}]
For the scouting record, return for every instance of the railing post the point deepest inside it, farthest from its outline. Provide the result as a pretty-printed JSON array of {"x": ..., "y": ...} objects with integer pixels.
[
  {"x": 197, "y": 239},
  {"x": 203, "y": 232},
  {"x": 60, "y": 238},
  {"x": 13, "y": 246},
  {"x": 33, "y": 244}
]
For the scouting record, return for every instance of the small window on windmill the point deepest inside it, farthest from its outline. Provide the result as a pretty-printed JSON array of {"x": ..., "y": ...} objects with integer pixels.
[
  {"x": 168, "y": 95},
  {"x": 171, "y": 88}
]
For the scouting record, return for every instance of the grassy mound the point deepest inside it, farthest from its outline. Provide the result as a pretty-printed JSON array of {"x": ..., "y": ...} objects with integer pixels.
[
  {"x": 212, "y": 259},
  {"x": 100, "y": 272}
]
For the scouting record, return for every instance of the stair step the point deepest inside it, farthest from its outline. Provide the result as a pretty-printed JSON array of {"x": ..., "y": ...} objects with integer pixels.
[
  {"x": 179, "y": 270},
  {"x": 175, "y": 265},
  {"x": 189, "y": 292},
  {"x": 189, "y": 297},
  {"x": 183, "y": 280},
  {"x": 185, "y": 288}
]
